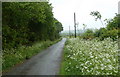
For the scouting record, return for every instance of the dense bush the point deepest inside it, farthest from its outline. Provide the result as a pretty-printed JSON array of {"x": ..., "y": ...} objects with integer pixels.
[
  {"x": 25, "y": 23},
  {"x": 89, "y": 34}
]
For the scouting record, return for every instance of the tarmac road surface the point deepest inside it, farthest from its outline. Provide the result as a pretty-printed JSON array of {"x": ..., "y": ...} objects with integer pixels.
[{"x": 46, "y": 62}]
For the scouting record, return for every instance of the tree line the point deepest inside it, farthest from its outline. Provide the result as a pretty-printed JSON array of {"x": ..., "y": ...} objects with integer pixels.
[{"x": 24, "y": 23}]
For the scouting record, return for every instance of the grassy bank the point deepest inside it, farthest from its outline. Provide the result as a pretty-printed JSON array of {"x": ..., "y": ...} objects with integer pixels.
[
  {"x": 16, "y": 56},
  {"x": 90, "y": 57}
]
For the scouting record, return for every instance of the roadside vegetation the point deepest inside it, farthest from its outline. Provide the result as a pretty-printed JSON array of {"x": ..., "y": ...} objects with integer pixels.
[
  {"x": 27, "y": 28},
  {"x": 30, "y": 27},
  {"x": 111, "y": 30},
  {"x": 18, "y": 55},
  {"x": 94, "y": 52},
  {"x": 90, "y": 57}
]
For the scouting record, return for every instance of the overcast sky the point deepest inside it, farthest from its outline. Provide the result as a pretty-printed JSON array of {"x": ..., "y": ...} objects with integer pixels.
[{"x": 64, "y": 11}]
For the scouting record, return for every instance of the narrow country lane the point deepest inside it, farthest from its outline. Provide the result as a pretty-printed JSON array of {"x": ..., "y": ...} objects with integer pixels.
[{"x": 45, "y": 63}]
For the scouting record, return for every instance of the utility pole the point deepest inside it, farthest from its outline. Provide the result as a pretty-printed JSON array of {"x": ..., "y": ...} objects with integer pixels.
[
  {"x": 75, "y": 24},
  {"x": 69, "y": 30}
]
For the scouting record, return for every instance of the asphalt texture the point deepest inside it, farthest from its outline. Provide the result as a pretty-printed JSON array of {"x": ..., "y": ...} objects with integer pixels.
[{"x": 46, "y": 62}]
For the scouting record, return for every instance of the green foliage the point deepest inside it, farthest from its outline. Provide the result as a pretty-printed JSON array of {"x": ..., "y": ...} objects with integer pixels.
[
  {"x": 26, "y": 23},
  {"x": 114, "y": 23},
  {"x": 101, "y": 33},
  {"x": 89, "y": 34},
  {"x": 111, "y": 30},
  {"x": 113, "y": 34},
  {"x": 96, "y": 14},
  {"x": 23, "y": 24}
]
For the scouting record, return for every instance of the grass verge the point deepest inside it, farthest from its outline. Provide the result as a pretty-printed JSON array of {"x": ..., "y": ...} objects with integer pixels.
[
  {"x": 19, "y": 55},
  {"x": 90, "y": 57}
]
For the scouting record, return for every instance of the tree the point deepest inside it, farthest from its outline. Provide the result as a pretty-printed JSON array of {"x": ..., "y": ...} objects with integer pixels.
[
  {"x": 113, "y": 23},
  {"x": 28, "y": 22},
  {"x": 97, "y": 16}
]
